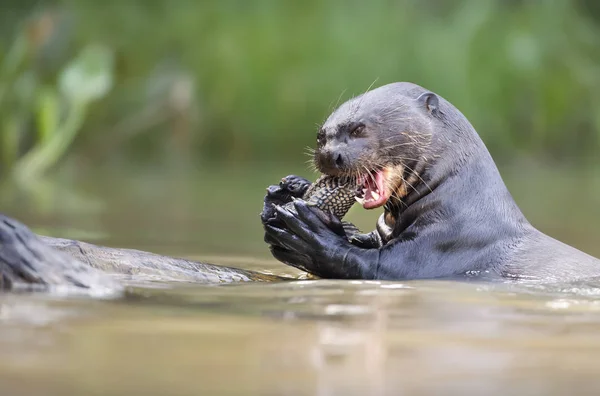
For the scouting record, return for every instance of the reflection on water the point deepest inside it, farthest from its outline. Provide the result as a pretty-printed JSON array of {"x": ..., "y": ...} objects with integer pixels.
[
  {"x": 294, "y": 338},
  {"x": 305, "y": 338}
]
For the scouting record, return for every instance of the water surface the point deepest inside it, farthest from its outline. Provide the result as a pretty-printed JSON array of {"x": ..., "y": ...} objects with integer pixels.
[{"x": 303, "y": 337}]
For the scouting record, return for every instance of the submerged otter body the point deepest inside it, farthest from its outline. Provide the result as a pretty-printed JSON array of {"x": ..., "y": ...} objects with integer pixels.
[
  {"x": 447, "y": 211},
  {"x": 32, "y": 262}
]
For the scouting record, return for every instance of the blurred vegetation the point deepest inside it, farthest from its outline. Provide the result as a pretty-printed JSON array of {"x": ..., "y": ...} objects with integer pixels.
[
  {"x": 117, "y": 116},
  {"x": 86, "y": 83}
]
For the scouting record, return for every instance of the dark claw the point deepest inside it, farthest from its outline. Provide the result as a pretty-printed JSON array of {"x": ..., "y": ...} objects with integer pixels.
[
  {"x": 286, "y": 216},
  {"x": 330, "y": 220},
  {"x": 296, "y": 185},
  {"x": 299, "y": 227},
  {"x": 275, "y": 192},
  {"x": 366, "y": 241},
  {"x": 284, "y": 239},
  {"x": 308, "y": 216}
]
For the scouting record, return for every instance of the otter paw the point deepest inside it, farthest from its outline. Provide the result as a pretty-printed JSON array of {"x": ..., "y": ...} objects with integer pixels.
[
  {"x": 290, "y": 187},
  {"x": 296, "y": 185},
  {"x": 372, "y": 240}
]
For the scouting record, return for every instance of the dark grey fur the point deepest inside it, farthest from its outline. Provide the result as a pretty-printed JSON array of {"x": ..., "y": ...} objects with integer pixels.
[
  {"x": 457, "y": 218},
  {"x": 32, "y": 262}
]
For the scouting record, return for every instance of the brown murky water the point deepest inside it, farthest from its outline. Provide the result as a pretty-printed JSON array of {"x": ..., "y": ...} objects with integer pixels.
[
  {"x": 294, "y": 338},
  {"x": 304, "y": 338}
]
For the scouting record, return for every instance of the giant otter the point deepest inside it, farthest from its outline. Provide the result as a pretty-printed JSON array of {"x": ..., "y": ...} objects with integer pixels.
[{"x": 447, "y": 212}]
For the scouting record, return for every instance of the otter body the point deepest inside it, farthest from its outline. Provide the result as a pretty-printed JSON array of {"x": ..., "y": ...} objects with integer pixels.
[
  {"x": 447, "y": 212},
  {"x": 29, "y": 261}
]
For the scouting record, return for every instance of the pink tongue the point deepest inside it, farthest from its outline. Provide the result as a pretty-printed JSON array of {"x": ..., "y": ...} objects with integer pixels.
[{"x": 375, "y": 185}]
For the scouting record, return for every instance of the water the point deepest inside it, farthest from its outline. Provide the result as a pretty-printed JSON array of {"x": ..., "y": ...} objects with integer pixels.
[{"x": 302, "y": 337}]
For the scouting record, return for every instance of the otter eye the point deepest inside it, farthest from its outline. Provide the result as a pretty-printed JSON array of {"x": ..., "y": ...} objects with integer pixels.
[
  {"x": 357, "y": 129},
  {"x": 321, "y": 137}
]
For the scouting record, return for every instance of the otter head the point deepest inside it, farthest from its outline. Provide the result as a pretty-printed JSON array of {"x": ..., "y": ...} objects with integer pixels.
[{"x": 380, "y": 139}]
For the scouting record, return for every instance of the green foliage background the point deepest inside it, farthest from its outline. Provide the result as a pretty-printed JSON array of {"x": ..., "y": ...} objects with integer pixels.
[{"x": 241, "y": 81}]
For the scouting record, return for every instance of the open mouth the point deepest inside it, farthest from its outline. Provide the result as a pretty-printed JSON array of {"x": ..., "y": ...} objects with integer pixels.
[{"x": 372, "y": 191}]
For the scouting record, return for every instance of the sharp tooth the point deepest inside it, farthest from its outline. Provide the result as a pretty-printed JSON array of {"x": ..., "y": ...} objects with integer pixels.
[
  {"x": 375, "y": 195},
  {"x": 360, "y": 200}
]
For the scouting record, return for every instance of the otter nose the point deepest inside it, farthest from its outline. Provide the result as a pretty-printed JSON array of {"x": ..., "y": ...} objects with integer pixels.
[
  {"x": 339, "y": 160},
  {"x": 332, "y": 160}
]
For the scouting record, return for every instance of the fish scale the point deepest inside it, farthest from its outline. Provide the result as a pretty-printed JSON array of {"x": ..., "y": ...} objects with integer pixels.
[{"x": 331, "y": 194}]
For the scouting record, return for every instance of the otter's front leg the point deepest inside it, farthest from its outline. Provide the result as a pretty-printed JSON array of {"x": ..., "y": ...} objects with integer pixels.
[{"x": 305, "y": 241}]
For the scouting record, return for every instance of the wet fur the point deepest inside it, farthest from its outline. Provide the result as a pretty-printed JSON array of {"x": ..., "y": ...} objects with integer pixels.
[{"x": 451, "y": 213}]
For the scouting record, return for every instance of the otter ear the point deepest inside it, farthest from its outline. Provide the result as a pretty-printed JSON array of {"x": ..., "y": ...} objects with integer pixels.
[{"x": 430, "y": 101}]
